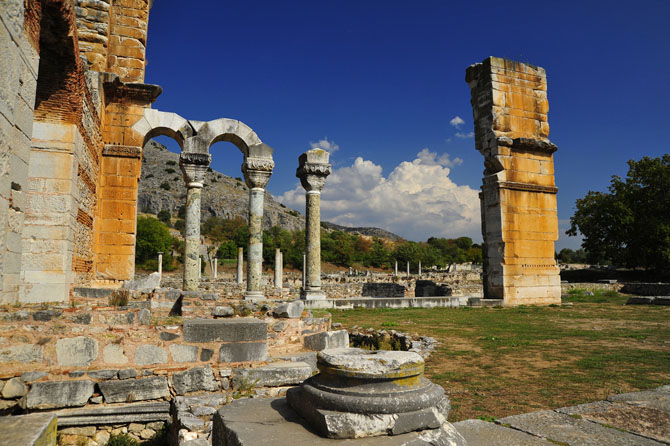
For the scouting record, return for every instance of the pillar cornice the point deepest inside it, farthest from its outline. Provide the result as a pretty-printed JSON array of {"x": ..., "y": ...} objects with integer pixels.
[
  {"x": 257, "y": 171},
  {"x": 194, "y": 167},
  {"x": 313, "y": 168}
]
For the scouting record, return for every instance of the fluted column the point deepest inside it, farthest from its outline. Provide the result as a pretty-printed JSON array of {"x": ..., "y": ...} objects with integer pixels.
[
  {"x": 257, "y": 173},
  {"x": 312, "y": 171},
  {"x": 193, "y": 167}
]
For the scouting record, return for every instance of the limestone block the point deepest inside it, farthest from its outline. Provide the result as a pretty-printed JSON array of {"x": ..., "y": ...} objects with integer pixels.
[
  {"x": 79, "y": 351},
  {"x": 140, "y": 389},
  {"x": 226, "y": 330},
  {"x": 195, "y": 379},
  {"x": 150, "y": 354},
  {"x": 283, "y": 373},
  {"x": 291, "y": 310},
  {"x": 103, "y": 374},
  {"x": 243, "y": 351},
  {"x": 183, "y": 353},
  {"x": 21, "y": 353},
  {"x": 37, "y": 429},
  {"x": 14, "y": 388},
  {"x": 327, "y": 340},
  {"x": 55, "y": 394}
]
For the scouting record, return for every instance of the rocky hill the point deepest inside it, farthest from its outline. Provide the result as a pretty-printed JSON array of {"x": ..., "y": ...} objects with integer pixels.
[{"x": 162, "y": 188}]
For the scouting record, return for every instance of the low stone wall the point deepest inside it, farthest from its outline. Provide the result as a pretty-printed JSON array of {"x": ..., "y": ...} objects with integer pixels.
[
  {"x": 591, "y": 286},
  {"x": 647, "y": 289}
]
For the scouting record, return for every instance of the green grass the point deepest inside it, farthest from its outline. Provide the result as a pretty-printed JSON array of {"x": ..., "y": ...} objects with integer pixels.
[{"x": 502, "y": 361}]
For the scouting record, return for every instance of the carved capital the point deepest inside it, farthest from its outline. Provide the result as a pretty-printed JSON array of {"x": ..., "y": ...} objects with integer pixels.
[
  {"x": 257, "y": 171},
  {"x": 194, "y": 167},
  {"x": 313, "y": 168}
]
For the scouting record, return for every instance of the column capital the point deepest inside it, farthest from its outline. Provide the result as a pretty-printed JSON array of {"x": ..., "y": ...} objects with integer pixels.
[
  {"x": 193, "y": 167},
  {"x": 313, "y": 168},
  {"x": 257, "y": 171}
]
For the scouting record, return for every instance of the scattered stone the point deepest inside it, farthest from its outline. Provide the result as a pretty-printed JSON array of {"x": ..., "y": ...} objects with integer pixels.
[
  {"x": 86, "y": 431},
  {"x": 122, "y": 319},
  {"x": 183, "y": 353},
  {"x": 21, "y": 353},
  {"x": 77, "y": 373},
  {"x": 279, "y": 326},
  {"x": 285, "y": 373},
  {"x": 103, "y": 374},
  {"x": 56, "y": 394},
  {"x": 209, "y": 296},
  {"x": 192, "y": 423},
  {"x": 135, "y": 428},
  {"x": 223, "y": 311},
  {"x": 144, "y": 316},
  {"x": 101, "y": 437},
  {"x": 146, "y": 434},
  {"x": 243, "y": 351},
  {"x": 146, "y": 354},
  {"x": 29, "y": 377},
  {"x": 225, "y": 383},
  {"x": 197, "y": 378},
  {"x": 20, "y": 315},
  {"x": 113, "y": 354},
  {"x": 291, "y": 310},
  {"x": 127, "y": 373},
  {"x": 145, "y": 284},
  {"x": 96, "y": 399},
  {"x": 206, "y": 354},
  {"x": 79, "y": 351},
  {"x": 46, "y": 315},
  {"x": 14, "y": 388},
  {"x": 327, "y": 340},
  {"x": 139, "y": 389},
  {"x": 228, "y": 330},
  {"x": 167, "y": 336}
]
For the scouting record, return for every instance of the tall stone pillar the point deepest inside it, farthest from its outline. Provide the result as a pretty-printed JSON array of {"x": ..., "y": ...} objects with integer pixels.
[
  {"x": 257, "y": 173},
  {"x": 216, "y": 267},
  {"x": 518, "y": 197},
  {"x": 278, "y": 269},
  {"x": 312, "y": 170},
  {"x": 160, "y": 263},
  {"x": 240, "y": 266},
  {"x": 193, "y": 166},
  {"x": 395, "y": 269},
  {"x": 419, "y": 268}
]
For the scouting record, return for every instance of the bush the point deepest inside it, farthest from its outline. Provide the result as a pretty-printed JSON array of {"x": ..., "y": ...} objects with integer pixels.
[
  {"x": 164, "y": 216},
  {"x": 165, "y": 185},
  {"x": 152, "y": 237},
  {"x": 119, "y": 297},
  {"x": 171, "y": 163}
]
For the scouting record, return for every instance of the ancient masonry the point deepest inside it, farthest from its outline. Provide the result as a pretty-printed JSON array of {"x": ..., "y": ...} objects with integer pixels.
[{"x": 518, "y": 197}]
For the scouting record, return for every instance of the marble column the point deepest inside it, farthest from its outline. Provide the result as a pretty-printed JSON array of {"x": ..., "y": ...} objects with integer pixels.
[
  {"x": 257, "y": 173},
  {"x": 419, "y": 267},
  {"x": 313, "y": 168},
  {"x": 278, "y": 269},
  {"x": 240, "y": 266},
  {"x": 215, "y": 267},
  {"x": 160, "y": 263},
  {"x": 193, "y": 167},
  {"x": 408, "y": 270},
  {"x": 395, "y": 269}
]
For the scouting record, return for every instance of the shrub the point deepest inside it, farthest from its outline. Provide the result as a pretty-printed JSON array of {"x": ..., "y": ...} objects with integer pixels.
[
  {"x": 171, "y": 163},
  {"x": 164, "y": 216},
  {"x": 151, "y": 175},
  {"x": 119, "y": 297}
]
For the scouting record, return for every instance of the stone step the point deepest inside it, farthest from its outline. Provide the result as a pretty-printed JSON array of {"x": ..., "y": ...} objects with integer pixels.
[
  {"x": 37, "y": 429},
  {"x": 283, "y": 373},
  {"x": 225, "y": 330},
  {"x": 483, "y": 433}
]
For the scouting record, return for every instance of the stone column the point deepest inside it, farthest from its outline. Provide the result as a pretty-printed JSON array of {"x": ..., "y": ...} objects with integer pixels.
[
  {"x": 193, "y": 167},
  {"x": 160, "y": 263},
  {"x": 313, "y": 168},
  {"x": 419, "y": 267},
  {"x": 395, "y": 269},
  {"x": 304, "y": 270},
  {"x": 215, "y": 267},
  {"x": 257, "y": 173},
  {"x": 240, "y": 266},
  {"x": 199, "y": 267},
  {"x": 408, "y": 270},
  {"x": 278, "y": 269}
]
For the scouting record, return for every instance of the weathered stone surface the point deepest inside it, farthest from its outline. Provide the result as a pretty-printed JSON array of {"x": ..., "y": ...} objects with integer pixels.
[
  {"x": 183, "y": 353},
  {"x": 291, "y": 310},
  {"x": 327, "y": 340},
  {"x": 144, "y": 316},
  {"x": 243, "y": 351},
  {"x": 46, "y": 315},
  {"x": 140, "y": 389},
  {"x": 153, "y": 412},
  {"x": 197, "y": 378},
  {"x": 127, "y": 373},
  {"x": 167, "y": 336},
  {"x": 145, "y": 284},
  {"x": 113, "y": 354},
  {"x": 103, "y": 374},
  {"x": 206, "y": 354},
  {"x": 272, "y": 375},
  {"x": 36, "y": 429},
  {"x": 306, "y": 357},
  {"x": 248, "y": 422},
  {"x": 428, "y": 288},
  {"x": 84, "y": 318},
  {"x": 79, "y": 351},
  {"x": 656, "y": 399},
  {"x": 55, "y": 394},
  {"x": 146, "y": 354},
  {"x": 32, "y": 376},
  {"x": 383, "y": 290},
  {"x": 21, "y": 353},
  {"x": 225, "y": 330},
  {"x": 223, "y": 311},
  {"x": 14, "y": 388},
  {"x": 558, "y": 427},
  {"x": 482, "y": 433}
]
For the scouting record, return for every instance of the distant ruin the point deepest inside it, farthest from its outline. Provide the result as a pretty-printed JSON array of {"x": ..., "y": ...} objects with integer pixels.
[{"x": 518, "y": 197}]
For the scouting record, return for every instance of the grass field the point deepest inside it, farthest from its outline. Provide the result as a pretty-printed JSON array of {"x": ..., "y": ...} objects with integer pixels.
[{"x": 495, "y": 362}]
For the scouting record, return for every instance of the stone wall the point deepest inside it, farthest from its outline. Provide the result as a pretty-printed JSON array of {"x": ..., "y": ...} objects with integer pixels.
[{"x": 518, "y": 198}]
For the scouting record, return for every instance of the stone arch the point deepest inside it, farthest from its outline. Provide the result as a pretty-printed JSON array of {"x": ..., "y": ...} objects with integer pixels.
[
  {"x": 230, "y": 130},
  {"x": 155, "y": 123}
]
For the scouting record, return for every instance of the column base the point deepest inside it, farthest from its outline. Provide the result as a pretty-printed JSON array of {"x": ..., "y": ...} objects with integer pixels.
[
  {"x": 254, "y": 295},
  {"x": 312, "y": 294}
]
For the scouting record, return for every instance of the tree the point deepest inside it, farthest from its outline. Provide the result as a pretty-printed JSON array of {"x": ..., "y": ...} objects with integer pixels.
[
  {"x": 152, "y": 237},
  {"x": 629, "y": 225},
  {"x": 164, "y": 216}
]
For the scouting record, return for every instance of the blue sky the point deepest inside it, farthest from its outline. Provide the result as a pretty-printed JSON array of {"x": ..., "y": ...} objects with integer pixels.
[{"x": 381, "y": 81}]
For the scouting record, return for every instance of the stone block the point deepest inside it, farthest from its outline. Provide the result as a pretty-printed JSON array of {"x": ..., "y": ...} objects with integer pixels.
[
  {"x": 113, "y": 354},
  {"x": 306, "y": 357},
  {"x": 284, "y": 373},
  {"x": 139, "y": 389},
  {"x": 146, "y": 354},
  {"x": 183, "y": 353},
  {"x": 292, "y": 310},
  {"x": 14, "y": 388},
  {"x": 193, "y": 380},
  {"x": 243, "y": 351},
  {"x": 103, "y": 374},
  {"x": 127, "y": 373},
  {"x": 167, "y": 336},
  {"x": 79, "y": 351},
  {"x": 21, "y": 353},
  {"x": 328, "y": 339},
  {"x": 29, "y": 377},
  {"x": 36, "y": 429},
  {"x": 223, "y": 311},
  {"x": 225, "y": 330},
  {"x": 144, "y": 317},
  {"x": 57, "y": 394},
  {"x": 478, "y": 432}
]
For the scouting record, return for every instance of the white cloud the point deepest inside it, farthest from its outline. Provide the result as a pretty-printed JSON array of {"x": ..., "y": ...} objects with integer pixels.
[
  {"x": 326, "y": 145},
  {"x": 457, "y": 121},
  {"x": 416, "y": 200},
  {"x": 465, "y": 135}
]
